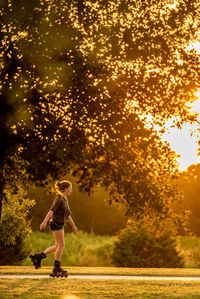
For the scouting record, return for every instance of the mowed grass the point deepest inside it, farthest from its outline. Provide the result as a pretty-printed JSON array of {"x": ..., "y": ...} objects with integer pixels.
[
  {"x": 80, "y": 288},
  {"x": 94, "y": 251},
  {"x": 182, "y": 272}
]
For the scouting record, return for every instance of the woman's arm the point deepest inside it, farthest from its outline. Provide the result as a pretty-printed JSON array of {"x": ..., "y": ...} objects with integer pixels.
[
  {"x": 46, "y": 219},
  {"x": 70, "y": 220}
]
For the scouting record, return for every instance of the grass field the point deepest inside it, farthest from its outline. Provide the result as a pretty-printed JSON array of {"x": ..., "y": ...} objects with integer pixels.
[
  {"x": 92, "y": 250},
  {"x": 82, "y": 250},
  {"x": 88, "y": 249},
  {"x": 71, "y": 288},
  {"x": 104, "y": 271}
]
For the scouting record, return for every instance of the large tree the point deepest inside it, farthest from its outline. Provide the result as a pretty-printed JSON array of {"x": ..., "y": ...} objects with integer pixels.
[{"x": 79, "y": 80}]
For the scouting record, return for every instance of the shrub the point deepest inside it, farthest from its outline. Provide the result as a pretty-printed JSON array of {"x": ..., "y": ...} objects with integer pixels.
[
  {"x": 14, "y": 228},
  {"x": 144, "y": 244}
]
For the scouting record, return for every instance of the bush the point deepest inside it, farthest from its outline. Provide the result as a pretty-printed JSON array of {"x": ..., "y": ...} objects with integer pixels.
[
  {"x": 14, "y": 228},
  {"x": 13, "y": 254},
  {"x": 142, "y": 244}
]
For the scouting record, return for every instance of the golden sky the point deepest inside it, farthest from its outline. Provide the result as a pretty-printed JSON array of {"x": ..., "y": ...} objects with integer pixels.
[{"x": 185, "y": 141}]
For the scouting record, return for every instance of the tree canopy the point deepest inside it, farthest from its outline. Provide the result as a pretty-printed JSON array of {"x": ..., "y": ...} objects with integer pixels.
[{"x": 79, "y": 81}]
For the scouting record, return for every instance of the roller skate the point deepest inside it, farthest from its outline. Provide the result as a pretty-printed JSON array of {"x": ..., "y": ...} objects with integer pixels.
[
  {"x": 36, "y": 259},
  {"x": 58, "y": 271}
]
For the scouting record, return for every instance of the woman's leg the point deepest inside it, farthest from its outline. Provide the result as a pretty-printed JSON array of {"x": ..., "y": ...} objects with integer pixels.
[
  {"x": 50, "y": 249},
  {"x": 59, "y": 238}
]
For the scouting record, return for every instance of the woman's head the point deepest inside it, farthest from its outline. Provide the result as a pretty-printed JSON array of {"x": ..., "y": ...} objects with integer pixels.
[{"x": 63, "y": 187}]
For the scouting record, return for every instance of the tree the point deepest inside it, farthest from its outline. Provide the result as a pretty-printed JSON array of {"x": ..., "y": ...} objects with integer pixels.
[
  {"x": 188, "y": 183},
  {"x": 147, "y": 243},
  {"x": 79, "y": 99}
]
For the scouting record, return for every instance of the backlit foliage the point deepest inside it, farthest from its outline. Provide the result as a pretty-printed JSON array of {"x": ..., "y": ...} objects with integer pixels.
[{"x": 79, "y": 78}]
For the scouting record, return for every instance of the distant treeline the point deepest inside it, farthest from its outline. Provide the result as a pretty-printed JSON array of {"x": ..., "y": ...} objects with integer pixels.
[{"x": 94, "y": 214}]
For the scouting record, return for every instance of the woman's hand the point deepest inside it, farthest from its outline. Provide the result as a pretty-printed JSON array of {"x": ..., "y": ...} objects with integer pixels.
[
  {"x": 46, "y": 219},
  {"x": 75, "y": 230},
  {"x": 70, "y": 220},
  {"x": 43, "y": 225}
]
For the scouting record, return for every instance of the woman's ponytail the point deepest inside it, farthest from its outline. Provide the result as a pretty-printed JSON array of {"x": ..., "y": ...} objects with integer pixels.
[{"x": 61, "y": 186}]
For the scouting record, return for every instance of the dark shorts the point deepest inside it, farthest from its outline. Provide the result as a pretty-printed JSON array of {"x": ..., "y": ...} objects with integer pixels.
[{"x": 55, "y": 226}]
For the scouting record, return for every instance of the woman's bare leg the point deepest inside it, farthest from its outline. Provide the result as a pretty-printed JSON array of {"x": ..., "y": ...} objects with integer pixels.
[
  {"x": 59, "y": 238},
  {"x": 50, "y": 249}
]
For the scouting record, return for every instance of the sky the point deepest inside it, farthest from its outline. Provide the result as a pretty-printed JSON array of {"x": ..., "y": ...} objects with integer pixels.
[
  {"x": 185, "y": 141},
  {"x": 181, "y": 141}
]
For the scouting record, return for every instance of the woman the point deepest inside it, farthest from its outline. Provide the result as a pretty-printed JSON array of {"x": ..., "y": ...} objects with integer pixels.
[{"x": 59, "y": 213}]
